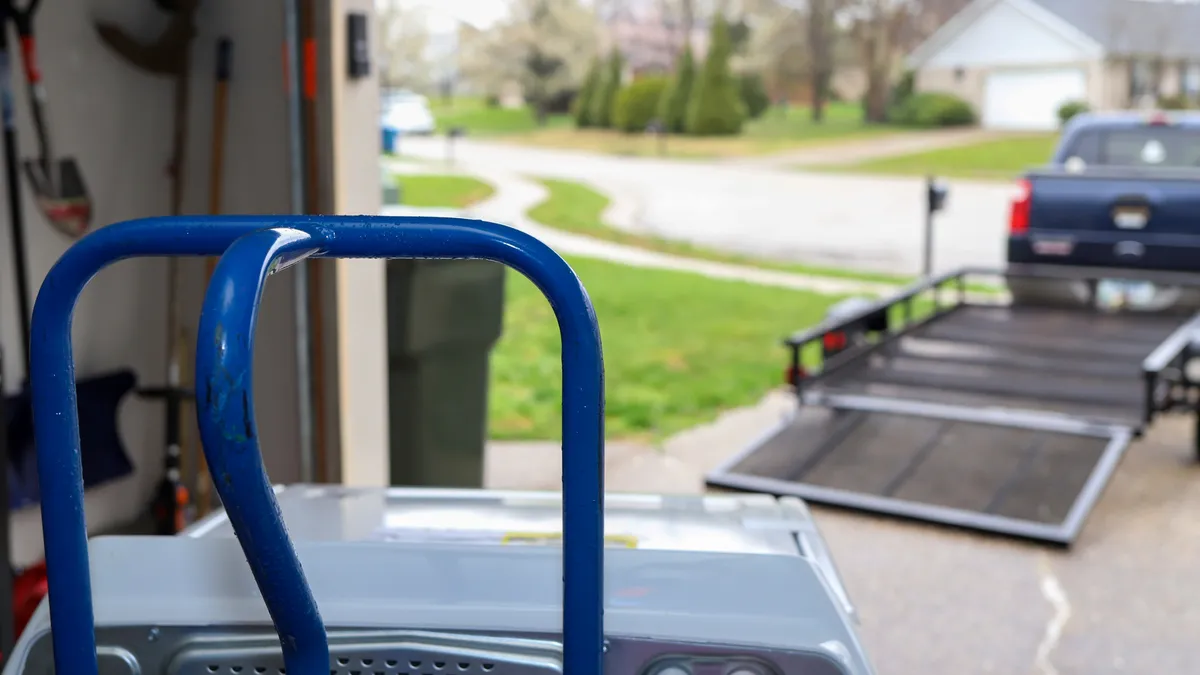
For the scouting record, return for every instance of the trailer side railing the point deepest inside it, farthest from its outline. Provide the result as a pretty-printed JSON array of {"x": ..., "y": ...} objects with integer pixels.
[
  {"x": 843, "y": 339},
  {"x": 1169, "y": 383}
]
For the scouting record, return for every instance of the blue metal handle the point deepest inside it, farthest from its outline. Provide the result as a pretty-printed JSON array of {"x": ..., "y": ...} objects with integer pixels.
[{"x": 244, "y": 268}]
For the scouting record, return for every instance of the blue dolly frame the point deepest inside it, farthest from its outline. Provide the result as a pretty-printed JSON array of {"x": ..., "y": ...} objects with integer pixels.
[{"x": 253, "y": 248}]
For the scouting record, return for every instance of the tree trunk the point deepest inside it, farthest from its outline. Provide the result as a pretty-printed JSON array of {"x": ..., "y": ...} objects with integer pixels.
[
  {"x": 820, "y": 56},
  {"x": 877, "y": 96},
  {"x": 876, "y": 53}
]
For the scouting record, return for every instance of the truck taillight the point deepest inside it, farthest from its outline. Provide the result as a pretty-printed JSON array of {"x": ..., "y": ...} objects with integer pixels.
[{"x": 1018, "y": 217}]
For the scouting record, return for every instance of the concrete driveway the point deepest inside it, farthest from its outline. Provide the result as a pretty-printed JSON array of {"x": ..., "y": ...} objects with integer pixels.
[
  {"x": 1124, "y": 599},
  {"x": 837, "y": 220}
]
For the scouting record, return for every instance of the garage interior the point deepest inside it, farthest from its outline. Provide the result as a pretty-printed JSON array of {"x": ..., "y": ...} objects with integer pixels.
[{"x": 117, "y": 121}]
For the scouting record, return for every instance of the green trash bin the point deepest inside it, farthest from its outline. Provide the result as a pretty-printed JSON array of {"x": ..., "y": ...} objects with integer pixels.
[{"x": 444, "y": 316}]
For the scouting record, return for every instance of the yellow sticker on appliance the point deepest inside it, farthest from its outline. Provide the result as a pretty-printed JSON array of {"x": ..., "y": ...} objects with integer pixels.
[{"x": 552, "y": 538}]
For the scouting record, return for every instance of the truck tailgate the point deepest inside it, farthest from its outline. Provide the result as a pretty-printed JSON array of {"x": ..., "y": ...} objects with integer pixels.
[{"x": 1110, "y": 207}]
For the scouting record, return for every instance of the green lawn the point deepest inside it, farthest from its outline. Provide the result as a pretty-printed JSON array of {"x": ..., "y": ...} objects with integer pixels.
[
  {"x": 577, "y": 208},
  {"x": 434, "y": 191},
  {"x": 999, "y": 159},
  {"x": 479, "y": 119},
  {"x": 776, "y": 130},
  {"x": 671, "y": 361}
]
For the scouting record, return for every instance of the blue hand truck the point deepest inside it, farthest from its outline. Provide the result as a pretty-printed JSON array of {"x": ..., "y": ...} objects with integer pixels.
[{"x": 389, "y": 581}]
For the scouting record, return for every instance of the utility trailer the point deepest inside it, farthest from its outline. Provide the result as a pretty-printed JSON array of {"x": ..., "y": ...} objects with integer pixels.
[{"x": 945, "y": 405}]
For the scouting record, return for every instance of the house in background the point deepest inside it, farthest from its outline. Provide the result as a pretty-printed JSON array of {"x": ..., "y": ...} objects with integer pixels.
[
  {"x": 649, "y": 39},
  {"x": 1017, "y": 61}
]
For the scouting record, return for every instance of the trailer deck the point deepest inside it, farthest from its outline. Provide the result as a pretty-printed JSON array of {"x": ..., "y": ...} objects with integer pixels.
[
  {"x": 1076, "y": 362},
  {"x": 1007, "y": 419}
]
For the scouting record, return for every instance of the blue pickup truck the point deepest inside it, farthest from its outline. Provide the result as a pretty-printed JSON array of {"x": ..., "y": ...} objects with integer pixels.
[
  {"x": 1121, "y": 192},
  {"x": 949, "y": 404}
]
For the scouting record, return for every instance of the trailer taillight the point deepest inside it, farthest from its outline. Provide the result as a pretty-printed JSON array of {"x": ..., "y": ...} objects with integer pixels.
[
  {"x": 1018, "y": 216},
  {"x": 793, "y": 375},
  {"x": 834, "y": 342}
]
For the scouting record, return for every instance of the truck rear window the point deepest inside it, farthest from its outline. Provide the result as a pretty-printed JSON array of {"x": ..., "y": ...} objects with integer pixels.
[{"x": 1148, "y": 146}]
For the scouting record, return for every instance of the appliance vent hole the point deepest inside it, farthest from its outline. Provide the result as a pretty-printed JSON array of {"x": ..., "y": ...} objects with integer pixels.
[{"x": 345, "y": 665}]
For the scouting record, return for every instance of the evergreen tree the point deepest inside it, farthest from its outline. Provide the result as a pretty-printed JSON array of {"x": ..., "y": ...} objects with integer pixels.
[
  {"x": 672, "y": 108},
  {"x": 582, "y": 106},
  {"x": 715, "y": 107},
  {"x": 606, "y": 95}
]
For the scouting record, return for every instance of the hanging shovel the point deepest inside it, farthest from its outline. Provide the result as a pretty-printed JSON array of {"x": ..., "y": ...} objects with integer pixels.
[{"x": 57, "y": 184}]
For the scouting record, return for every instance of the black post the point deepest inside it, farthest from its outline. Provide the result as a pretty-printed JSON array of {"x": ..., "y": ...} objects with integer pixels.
[
  {"x": 935, "y": 200},
  {"x": 659, "y": 130},
  {"x": 452, "y": 136},
  {"x": 927, "y": 254}
]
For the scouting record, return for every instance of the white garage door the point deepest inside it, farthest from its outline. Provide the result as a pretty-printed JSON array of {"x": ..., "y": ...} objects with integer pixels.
[{"x": 1029, "y": 99}]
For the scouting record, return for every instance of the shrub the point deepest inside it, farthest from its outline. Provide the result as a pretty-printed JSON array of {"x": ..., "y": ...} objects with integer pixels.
[
  {"x": 933, "y": 109},
  {"x": 562, "y": 103},
  {"x": 1176, "y": 102},
  {"x": 637, "y": 104},
  {"x": 581, "y": 108},
  {"x": 492, "y": 101},
  {"x": 904, "y": 89},
  {"x": 672, "y": 107},
  {"x": 1070, "y": 109},
  {"x": 754, "y": 95},
  {"x": 601, "y": 105},
  {"x": 716, "y": 108}
]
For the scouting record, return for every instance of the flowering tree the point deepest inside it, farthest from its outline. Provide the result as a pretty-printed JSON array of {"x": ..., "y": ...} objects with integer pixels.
[{"x": 543, "y": 46}]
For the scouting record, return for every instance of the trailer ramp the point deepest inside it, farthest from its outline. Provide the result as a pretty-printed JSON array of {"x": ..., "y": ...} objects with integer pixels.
[{"x": 1022, "y": 474}]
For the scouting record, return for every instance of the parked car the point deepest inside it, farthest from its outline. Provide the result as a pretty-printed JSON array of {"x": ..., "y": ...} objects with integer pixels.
[{"x": 407, "y": 113}]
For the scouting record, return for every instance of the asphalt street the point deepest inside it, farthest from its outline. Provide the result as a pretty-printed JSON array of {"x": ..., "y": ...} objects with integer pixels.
[{"x": 868, "y": 223}]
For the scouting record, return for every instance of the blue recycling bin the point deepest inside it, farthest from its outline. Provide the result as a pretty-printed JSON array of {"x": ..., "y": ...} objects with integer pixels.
[{"x": 390, "y": 138}]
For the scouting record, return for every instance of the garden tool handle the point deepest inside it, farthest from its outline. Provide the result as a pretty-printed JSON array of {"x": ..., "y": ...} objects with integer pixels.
[{"x": 56, "y": 417}]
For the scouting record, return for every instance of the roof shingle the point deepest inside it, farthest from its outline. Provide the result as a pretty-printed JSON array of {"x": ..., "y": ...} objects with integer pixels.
[{"x": 1167, "y": 28}]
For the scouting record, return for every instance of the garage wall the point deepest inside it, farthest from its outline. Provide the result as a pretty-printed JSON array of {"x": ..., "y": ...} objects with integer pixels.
[
  {"x": 965, "y": 83},
  {"x": 117, "y": 122}
]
